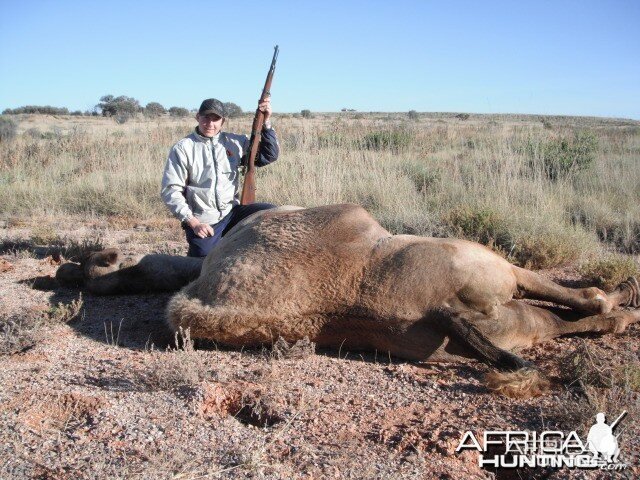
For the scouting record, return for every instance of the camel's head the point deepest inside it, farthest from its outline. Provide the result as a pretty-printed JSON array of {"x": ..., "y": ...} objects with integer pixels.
[
  {"x": 92, "y": 265},
  {"x": 70, "y": 275}
]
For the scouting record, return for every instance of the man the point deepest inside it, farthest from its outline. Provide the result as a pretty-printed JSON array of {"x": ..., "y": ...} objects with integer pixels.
[
  {"x": 200, "y": 184},
  {"x": 600, "y": 440}
]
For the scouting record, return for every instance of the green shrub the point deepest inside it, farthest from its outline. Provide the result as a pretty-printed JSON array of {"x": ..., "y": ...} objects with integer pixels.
[
  {"x": 421, "y": 174},
  {"x": 306, "y": 114},
  {"x": 545, "y": 250},
  {"x": 154, "y": 109},
  {"x": 178, "y": 112},
  {"x": 45, "y": 110},
  {"x": 413, "y": 115},
  {"x": 564, "y": 156},
  {"x": 8, "y": 129},
  {"x": 607, "y": 272},
  {"x": 232, "y": 110},
  {"x": 393, "y": 140},
  {"x": 119, "y": 106},
  {"x": 480, "y": 225}
]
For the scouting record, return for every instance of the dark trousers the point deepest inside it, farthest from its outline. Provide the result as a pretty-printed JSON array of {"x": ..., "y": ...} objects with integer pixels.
[{"x": 200, "y": 247}]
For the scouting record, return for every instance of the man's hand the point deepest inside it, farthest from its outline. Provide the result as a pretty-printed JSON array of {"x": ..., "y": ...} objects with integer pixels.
[
  {"x": 200, "y": 229},
  {"x": 265, "y": 107}
]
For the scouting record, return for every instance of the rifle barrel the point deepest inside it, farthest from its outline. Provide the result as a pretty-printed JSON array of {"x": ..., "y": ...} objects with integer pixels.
[{"x": 617, "y": 420}]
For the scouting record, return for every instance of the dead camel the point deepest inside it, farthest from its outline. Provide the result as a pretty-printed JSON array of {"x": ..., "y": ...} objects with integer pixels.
[{"x": 333, "y": 274}]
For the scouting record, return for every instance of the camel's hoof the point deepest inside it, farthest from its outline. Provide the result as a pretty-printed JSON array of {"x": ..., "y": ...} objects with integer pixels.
[
  {"x": 632, "y": 285},
  {"x": 622, "y": 319}
]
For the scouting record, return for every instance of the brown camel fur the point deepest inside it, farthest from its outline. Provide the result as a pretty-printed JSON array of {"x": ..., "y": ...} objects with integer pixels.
[{"x": 334, "y": 275}]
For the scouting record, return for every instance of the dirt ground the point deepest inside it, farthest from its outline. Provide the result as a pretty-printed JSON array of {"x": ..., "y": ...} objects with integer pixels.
[{"x": 106, "y": 394}]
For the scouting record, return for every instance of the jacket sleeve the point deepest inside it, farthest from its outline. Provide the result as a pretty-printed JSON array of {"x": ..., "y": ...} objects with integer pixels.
[
  {"x": 174, "y": 184},
  {"x": 269, "y": 148}
]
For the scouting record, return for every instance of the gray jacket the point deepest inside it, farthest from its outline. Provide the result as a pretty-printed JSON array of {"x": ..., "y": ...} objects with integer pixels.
[{"x": 201, "y": 177}]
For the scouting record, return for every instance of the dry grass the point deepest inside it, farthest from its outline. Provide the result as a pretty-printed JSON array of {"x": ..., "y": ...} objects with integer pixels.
[
  {"x": 179, "y": 366},
  {"x": 20, "y": 331},
  {"x": 415, "y": 176},
  {"x": 599, "y": 382}
]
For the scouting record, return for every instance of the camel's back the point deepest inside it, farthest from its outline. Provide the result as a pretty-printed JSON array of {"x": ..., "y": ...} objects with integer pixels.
[{"x": 297, "y": 258}]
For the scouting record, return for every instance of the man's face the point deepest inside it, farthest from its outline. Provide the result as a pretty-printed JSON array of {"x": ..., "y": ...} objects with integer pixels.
[{"x": 209, "y": 124}]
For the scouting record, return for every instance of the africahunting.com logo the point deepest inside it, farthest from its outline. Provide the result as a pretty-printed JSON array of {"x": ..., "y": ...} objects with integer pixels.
[{"x": 549, "y": 448}]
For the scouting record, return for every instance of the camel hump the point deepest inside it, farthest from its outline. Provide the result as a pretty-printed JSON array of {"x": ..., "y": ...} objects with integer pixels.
[
  {"x": 340, "y": 224},
  {"x": 333, "y": 226}
]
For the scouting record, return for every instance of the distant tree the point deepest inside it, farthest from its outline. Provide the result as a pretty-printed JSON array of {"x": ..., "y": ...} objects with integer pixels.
[
  {"x": 463, "y": 116},
  {"x": 179, "y": 112},
  {"x": 306, "y": 113},
  {"x": 232, "y": 110},
  {"x": 413, "y": 115},
  {"x": 154, "y": 109},
  {"x": 121, "y": 106},
  {"x": 43, "y": 109},
  {"x": 76, "y": 113},
  {"x": 8, "y": 129}
]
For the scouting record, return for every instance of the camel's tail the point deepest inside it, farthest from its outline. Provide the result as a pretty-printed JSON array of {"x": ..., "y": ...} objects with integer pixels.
[{"x": 522, "y": 383}]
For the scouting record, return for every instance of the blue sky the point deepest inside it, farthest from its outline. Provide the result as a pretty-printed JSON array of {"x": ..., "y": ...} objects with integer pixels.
[{"x": 547, "y": 57}]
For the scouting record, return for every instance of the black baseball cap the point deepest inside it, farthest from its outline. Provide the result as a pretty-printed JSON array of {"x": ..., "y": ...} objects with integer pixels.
[{"x": 212, "y": 105}]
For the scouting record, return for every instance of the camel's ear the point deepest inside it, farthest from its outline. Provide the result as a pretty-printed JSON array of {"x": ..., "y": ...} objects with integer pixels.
[
  {"x": 111, "y": 257},
  {"x": 105, "y": 258}
]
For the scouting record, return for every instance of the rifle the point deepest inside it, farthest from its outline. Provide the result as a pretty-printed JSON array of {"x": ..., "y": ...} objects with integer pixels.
[
  {"x": 617, "y": 420},
  {"x": 249, "y": 186}
]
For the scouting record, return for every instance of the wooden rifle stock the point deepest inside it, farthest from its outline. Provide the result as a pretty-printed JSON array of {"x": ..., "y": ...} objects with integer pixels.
[{"x": 249, "y": 186}]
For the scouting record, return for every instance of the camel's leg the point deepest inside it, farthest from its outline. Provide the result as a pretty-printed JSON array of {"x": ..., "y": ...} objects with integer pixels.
[
  {"x": 590, "y": 300},
  {"x": 519, "y": 325}
]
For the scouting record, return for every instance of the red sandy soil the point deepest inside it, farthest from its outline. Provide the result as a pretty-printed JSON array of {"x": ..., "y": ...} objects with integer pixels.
[{"x": 101, "y": 397}]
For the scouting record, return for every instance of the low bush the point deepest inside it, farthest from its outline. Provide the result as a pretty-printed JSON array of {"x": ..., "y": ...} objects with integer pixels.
[
  {"x": 480, "y": 225},
  {"x": 608, "y": 271},
  {"x": 563, "y": 156},
  {"x": 393, "y": 140},
  {"x": 546, "y": 250},
  {"x": 8, "y": 129},
  {"x": 178, "y": 112},
  {"x": 421, "y": 174}
]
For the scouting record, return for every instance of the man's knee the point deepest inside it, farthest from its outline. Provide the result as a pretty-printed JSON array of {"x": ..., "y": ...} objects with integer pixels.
[
  {"x": 200, "y": 247},
  {"x": 198, "y": 250}
]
